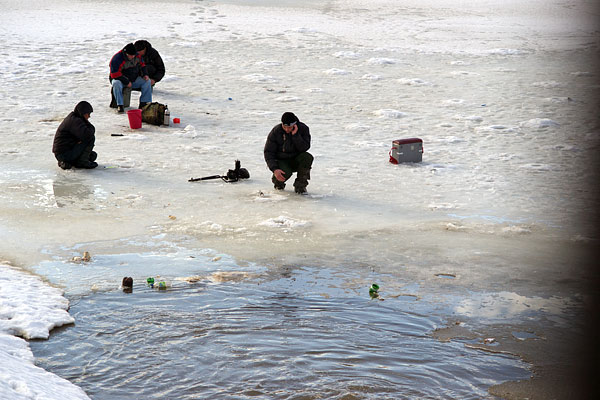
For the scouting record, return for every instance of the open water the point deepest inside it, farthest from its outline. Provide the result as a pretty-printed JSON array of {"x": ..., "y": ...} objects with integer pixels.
[{"x": 238, "y": 333}]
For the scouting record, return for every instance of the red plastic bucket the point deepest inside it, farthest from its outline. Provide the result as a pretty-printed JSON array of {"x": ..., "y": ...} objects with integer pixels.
[{"x": 135, "y": 118}]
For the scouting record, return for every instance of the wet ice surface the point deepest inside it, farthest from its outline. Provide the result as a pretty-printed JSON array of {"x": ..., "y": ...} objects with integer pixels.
[
  {"x": 249, "y": 332},
  {"x": 493, "y": 226}
]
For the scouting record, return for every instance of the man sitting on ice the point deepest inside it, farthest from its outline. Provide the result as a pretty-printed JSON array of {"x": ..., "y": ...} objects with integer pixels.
[
  {"x": 74, "y": 139},
  {"x": 152, "y": 59},
  {"x": 127, "y": 70}
]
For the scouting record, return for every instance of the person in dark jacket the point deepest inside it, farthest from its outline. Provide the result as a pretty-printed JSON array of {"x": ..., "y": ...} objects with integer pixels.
[
  {"x": 286, "y": 151},
  {"x": 74, "y": 139},
  {"x": 127, "y": 69},
  {"x": 153, "y": 60}
]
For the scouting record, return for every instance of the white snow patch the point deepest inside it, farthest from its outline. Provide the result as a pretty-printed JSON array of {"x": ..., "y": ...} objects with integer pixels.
[
  {"x": 189, "y": 131},
  {"x": 357, "y": 127},
  {"x": 496, "y": 129},
  {"x": 381, "y": 60},
  {"x": 471, "y": 118},
  {"x": 414, "y": 82},
  {"x": 212, "y": 226},
  {"x": 514, "y": 229},
  {"x": 389, "y": 113},
  {"x": 29, "y": 308},
  {"x": 465, "y": 73},
  {"x": 547, "y": 84},
  {"x": 453, "y": 102},
  {"x": 269, "y": 63},
  {"x": 346, "y": 54},
  {"x": 441, "y": 206},
  {"x": 285, "y": 222},
  {"x": 184, "y": 44},
  {"x": 371, "y": 77},
  {"x": 288, "y": 99},
  {"x": 541, "y": 123},
  {"x": 305, "y": 30},
  {"x": 259, "y": 78},
  {"x": 507, "y": 52},
  {"x": 336, "y": 71},
  {"x": 450, "y": 226}
]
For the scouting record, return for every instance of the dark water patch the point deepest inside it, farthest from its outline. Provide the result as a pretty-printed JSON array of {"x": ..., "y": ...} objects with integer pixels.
[{"x": 279, "y": 339}]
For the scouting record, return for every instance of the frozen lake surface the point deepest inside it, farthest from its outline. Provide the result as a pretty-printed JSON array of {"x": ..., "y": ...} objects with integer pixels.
[{"x": 492, "y": 232}]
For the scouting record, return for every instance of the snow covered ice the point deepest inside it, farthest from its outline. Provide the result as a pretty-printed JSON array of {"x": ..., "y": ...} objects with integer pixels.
[{"x": 503, "y": 94}]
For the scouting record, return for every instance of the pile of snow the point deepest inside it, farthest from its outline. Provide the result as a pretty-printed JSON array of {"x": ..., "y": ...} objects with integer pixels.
[{"x": 29, "y": 308}]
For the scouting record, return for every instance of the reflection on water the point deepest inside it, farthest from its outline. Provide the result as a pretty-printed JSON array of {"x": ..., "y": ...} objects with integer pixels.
[
  {"x": 299, "y": 335},
  {"x": 68, "y": 192},
  {"x": 502, "y": 305}
]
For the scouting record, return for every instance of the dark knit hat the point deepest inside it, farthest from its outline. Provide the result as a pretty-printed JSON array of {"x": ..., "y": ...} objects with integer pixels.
[
  {"x": 83, "y": 107},
  {"x": 130, "y": 49},
  {"x": 289, "y": 118},
  {"x": 141, "y": 45}
]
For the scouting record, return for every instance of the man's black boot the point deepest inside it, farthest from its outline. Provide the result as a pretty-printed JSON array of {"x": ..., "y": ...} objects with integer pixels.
[
  {"x": 120, "y": 110},
  {"x": 84, "y": 160},
  {"x": 301, "y": 181},
  {"x": 64, "y": 165}
]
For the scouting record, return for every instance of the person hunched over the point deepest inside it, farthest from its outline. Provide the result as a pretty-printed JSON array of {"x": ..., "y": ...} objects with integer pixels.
[
  {"x": 128, "y": 70},
  {"x": 152, "y": 59},
  {"x": 74, "y": 139},
  {"x": 286, "y": 152}
]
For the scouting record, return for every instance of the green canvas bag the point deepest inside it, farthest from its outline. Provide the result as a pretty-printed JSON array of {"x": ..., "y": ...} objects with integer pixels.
[{"x": 153, "y": 113}]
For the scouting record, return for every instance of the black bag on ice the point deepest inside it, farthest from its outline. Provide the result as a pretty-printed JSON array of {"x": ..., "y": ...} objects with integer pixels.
[{"x": 153, "y": 113}]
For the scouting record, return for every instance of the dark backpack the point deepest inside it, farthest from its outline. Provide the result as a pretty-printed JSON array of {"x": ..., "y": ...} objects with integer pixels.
[{"x": 153, "y": 113}]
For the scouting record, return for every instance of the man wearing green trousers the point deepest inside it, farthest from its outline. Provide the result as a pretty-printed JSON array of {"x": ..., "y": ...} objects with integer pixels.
[{"x": 286, "y": 152}]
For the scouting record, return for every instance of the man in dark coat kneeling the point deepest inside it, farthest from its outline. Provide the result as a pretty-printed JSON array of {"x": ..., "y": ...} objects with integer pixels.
[
  {"x": 286, "y": 151},
  {"x": 74, "y": 139}
]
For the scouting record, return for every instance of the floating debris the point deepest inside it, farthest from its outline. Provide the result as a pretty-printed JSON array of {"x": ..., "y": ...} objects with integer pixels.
[
  {"x": 374, "y": 291},
  {"x": 445, "y": 275},
  {"x": 127, "y": 284},
  {"x": 85, "y": 258},
  {"x": 191, "y": 279}
]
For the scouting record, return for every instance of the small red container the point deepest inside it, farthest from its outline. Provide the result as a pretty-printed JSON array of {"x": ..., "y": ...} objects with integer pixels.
[{"x": 135, "y": 118}]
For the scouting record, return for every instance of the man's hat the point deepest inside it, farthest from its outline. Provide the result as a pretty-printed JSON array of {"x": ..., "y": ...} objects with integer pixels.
[
  {"x": 130, "y": 49},
  {"x": 288, "y": 118},
  {"x": 141, "y": 45}
]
